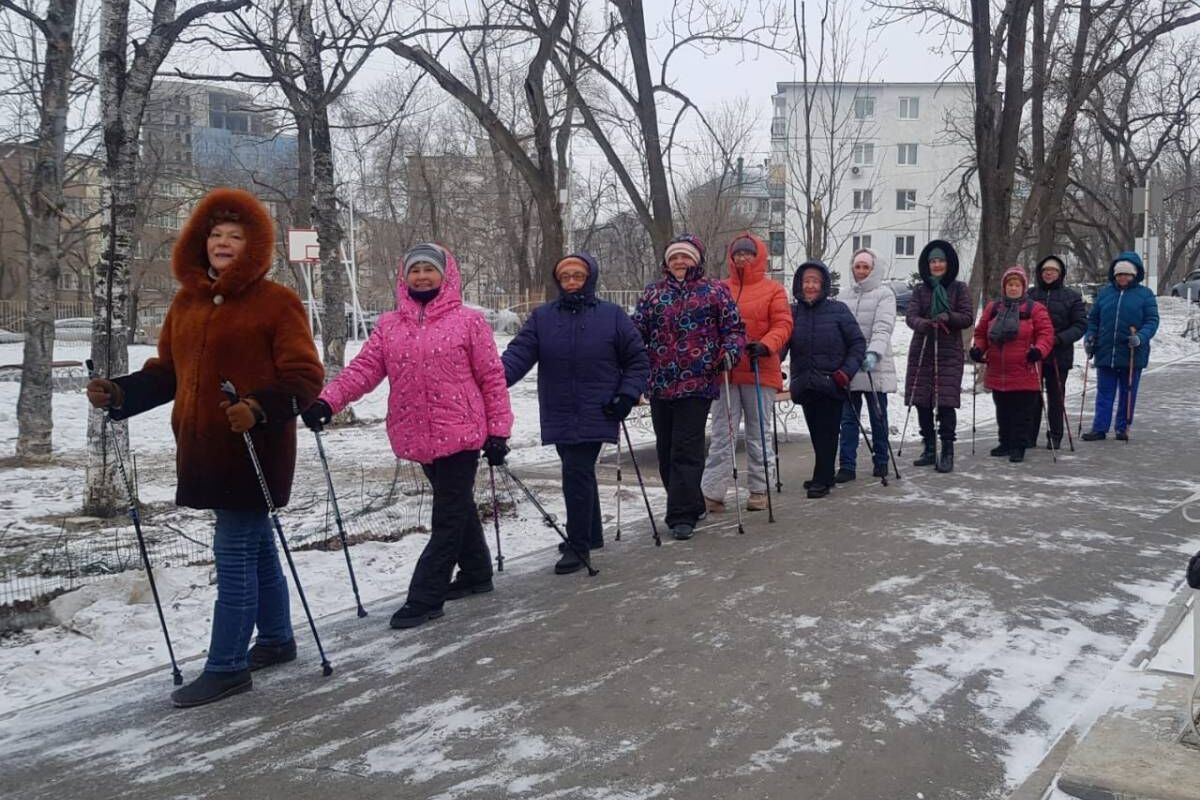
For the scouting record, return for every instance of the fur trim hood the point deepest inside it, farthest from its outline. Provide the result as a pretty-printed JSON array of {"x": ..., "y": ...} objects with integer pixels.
[{"x": 189, "y": 260}]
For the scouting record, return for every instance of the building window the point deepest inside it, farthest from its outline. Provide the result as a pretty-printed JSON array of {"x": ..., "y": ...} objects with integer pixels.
[
  {"x": 864, "y": 108},
  {"x": 906, "y": 199},
  {"x": 863, "y": 154},
  {"x": 910, "y": 107},
  {"x": 776, "y": 243},
  {"x": 906, "y": 155},
  {"x": 859, "y": 241},
  {"x": 863, "y": 201},
  {"x": 906, "y": 246},
  {"x": 778, "y": 206}
]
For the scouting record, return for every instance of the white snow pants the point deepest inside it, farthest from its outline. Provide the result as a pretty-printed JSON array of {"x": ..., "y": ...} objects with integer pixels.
[{"x": 718, "y": 469}]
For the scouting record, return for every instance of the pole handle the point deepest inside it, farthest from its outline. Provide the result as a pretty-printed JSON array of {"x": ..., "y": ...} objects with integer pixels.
[{"x": 229, "y": 391}]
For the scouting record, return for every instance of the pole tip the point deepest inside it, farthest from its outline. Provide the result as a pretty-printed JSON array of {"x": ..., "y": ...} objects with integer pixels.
[
  {"x": 362, "y": 612},
  {"x": 326, "y": 669}
]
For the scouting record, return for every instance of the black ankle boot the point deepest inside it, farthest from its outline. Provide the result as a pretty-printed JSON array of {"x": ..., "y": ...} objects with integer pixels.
[
  {"x": 211, "y": 687},
  {"x": 946, "y": 459},
  {"x": 928, "y": 455},
  {"x": 268, "y": 655}
]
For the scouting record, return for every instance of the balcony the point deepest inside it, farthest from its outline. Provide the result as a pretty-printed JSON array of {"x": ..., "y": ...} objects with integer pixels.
[{"x": 779, "y": 128}]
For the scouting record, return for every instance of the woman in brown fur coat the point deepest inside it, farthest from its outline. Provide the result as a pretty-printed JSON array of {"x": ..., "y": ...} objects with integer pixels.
[{"x": 228, "y": 322}]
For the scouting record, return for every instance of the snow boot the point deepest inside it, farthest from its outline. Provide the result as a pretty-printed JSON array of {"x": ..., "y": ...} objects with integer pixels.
[
  {"x": 268, "y": 655},
  {"x": 1000, "y": 451},
  {"x": 596, "y": 545},
  {"x": 844, "y": 475},
  {"x": 757, "y": 501},
  {"x": 211, "y": 687},
  {"x": 568, "y": 563},
  {"x": 946, "y": 458},
  {"x": 1094, "y": 436},
  {"x": 880, "y": 471},
  {"x": 714, "y": 506},
  {"x": 682, "y": 531},
  {"x": 928, "y": 455},
  {"x": 1122, "y": 436},
  {"x": 817, "y": 491},
  {"x": 412, "y": 614},
  {"x": 1017, "y": 455},
  {"x": 460, "y": 587}
]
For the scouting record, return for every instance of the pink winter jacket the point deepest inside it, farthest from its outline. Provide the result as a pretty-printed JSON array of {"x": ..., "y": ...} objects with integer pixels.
[{"x": 447, "y": 390}]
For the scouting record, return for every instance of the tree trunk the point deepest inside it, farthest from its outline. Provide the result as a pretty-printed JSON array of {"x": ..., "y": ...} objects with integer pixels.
[{"x": 34, "y": 403}]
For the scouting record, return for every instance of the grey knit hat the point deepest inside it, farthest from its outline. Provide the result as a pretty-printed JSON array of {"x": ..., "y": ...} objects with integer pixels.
[{"x": 427, "y": 253}]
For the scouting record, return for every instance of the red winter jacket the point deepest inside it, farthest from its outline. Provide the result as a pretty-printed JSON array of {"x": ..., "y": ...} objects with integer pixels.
[{"x": 1008, "y": 368}]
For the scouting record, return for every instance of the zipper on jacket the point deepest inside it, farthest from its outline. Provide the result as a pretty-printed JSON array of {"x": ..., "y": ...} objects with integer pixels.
[{"x": 1112, "y": 359}]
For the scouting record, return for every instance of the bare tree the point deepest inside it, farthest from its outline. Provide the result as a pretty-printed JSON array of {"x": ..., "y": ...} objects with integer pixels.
[{"x": 124, "y": 90}]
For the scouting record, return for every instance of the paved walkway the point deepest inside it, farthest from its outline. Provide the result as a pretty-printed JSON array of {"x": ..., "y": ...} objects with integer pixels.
[{"x": 921, "y": 638}]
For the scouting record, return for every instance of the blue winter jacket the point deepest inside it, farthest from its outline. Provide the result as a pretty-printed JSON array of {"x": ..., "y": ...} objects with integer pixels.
[
  {"x": 825, "y": 338},
  {"x": 1115, "y": 310},
  {"x": 587, "y": 352}
]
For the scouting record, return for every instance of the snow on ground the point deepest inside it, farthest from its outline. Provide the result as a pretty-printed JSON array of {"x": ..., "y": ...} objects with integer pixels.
[{"x": 108, "y": 629}]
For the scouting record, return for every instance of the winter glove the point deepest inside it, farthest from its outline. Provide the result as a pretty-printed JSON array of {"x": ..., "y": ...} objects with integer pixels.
[
  {"x": 243, "y": 415},
  {"x": 103, "y": 393},
  {"x": 495, "y": 448},
  {"x": 318, "y": 415},
  {"x": 942, "y": 319},
  {"x": 757, "y": 350},
  {"x": 871, "y": 361},
  {"x": 841, "y": 379},
  {"x": 976, "y": 355},
  {"x": 1033, "y": 356},
  {"x": 1193, "y": 572},
  {"x": 1135, "y": 341},
  {"x": 1089, "y": 346},
  {"x": 619, "y": 407}
]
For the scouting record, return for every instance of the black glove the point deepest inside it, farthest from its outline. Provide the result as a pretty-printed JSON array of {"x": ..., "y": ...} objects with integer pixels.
[
  {"x": 1193, "y": 572},
  {"x": 1089, "y": 346},
  {"x": 757, "y": 350},
  {"x": 1033, "y": 356},
  {"x": 318, "y": 415},
  {"x": 495, "y": 448},
  {"x": 976, "y": 355},
  {"x": 619, "y": 407}
]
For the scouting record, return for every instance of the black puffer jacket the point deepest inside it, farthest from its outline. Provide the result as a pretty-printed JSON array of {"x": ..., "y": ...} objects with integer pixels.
[
  {"x": 825, "y": 338},
  {"x": 1067, "y": 310}
]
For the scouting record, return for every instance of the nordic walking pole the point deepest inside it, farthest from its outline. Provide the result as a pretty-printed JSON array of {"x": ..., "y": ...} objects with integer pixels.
[
  {"x": 933, "y": 399},
  {"x": 618, "y": 487},
  {"x": 974, "y": 392},
  {"x": 737, "y": 501},
  {"x": 230, "y": 392},
  {"x": 638, "y": 471},
  {"x": 1129, "y": 387},
  {"x": 1087, "y": 362},
  {"x": 775, "y": 441},
  {"x": 549, "y": 519},
  {"x": 496, "y": 518},
  {"x": 762, "y": 436},
  {"x": 911, "y": 392},
  {"x": 1062, "y": 392},
  {"x": 1042, "y": 387},
  {"x": 176, "y": 675},
  {"x": 874, "y": 398},
  {"x": 337, "y": 515}
]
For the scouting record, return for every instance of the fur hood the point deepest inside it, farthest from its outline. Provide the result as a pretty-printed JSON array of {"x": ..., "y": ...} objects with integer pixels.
[{"x": 189, "y": 260}]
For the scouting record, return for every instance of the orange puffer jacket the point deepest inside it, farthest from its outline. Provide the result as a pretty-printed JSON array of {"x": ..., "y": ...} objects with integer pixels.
[{"x": 763, "y": 304}]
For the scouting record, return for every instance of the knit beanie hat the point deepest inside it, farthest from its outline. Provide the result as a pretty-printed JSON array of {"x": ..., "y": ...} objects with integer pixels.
[
  {"x": 1052, "y": 263},
  {"x": 571, "y": 261},
  {"x": 687, "y": 248},
  {"x": 1016, "y": 273},
  {"x": 937, "y": 252},
  {"x": 1124, "y": 268},
  {"x": 427, "y": 253},
  {"x": 744, "y": 245}
]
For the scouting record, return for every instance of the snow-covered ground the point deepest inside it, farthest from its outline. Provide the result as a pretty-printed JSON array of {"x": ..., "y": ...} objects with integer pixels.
[{"x": 108, "y": 628}]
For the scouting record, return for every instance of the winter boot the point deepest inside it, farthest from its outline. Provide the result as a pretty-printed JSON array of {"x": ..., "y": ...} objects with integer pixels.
[
  {"x": 714, "y": 506},
  {"x": 880, "y": 471},
  {"x": 682, "y": 531},
  {"x": 817, "y": 491},
  {"x": 928, "y": 455},
  {"x": 946, "y": 458},
  {"x": 460, "y": 587},
  {"x": 1094, "y": 436},
  {"x": 757, "y": 501},
  {"x": 412, "y": 614},
  {"x": 844, "y": 475},
  {"x": 1000, "y": 451},
  {"x": 1053, "y": 442},
  {"x": 1122, "y": 436},
  {"x": 1017, "y": 455},
  {"x": 268, "y": 655},
  {"x": 809, "y": 484},
  {"x": 570, "y": 562},
  {"x": 596, "y": 545},
  {"x": 211, "y": 687}
]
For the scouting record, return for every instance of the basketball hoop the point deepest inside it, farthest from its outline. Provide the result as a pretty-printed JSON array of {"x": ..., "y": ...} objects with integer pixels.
[{"x": 303, "y": 246}]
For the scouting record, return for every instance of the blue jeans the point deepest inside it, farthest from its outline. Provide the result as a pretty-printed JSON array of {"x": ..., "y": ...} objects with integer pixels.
[
  {"x": 851, "y": 412},
  {"x": 1111, "y": 382},
  {"x": 251, "y": 589}
]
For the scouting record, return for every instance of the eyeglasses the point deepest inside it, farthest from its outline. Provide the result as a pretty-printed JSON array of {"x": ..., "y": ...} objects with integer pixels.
[{"x": 575, "y": 277}]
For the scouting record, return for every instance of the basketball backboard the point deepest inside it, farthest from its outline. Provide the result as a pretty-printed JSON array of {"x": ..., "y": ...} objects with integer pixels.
[{"x": 303, "y": 245}]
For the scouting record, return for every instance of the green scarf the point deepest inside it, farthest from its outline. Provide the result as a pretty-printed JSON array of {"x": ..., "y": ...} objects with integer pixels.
[{"x": 941, "y": 301}]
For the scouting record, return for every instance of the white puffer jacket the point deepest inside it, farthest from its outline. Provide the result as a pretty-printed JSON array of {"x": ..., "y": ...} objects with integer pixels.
[{"x": 874, "y": 306}]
